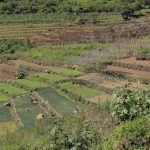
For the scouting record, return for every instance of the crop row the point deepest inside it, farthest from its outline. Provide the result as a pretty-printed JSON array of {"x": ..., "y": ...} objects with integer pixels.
[
  {"x": 48, "y": 77},
  {"x": 78, "y": 92},
  {"x": 11, "y": 90}
]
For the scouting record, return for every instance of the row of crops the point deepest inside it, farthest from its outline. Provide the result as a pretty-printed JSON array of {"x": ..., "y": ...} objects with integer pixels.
[
  {"x": 55, "y": 88},
  {"x": 57, "y": 18}
]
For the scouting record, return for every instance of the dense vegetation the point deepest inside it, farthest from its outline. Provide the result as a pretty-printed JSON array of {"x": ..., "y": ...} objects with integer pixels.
[
  {"x": 77, "y": 6},
  {"x": 75, "y": 132}
]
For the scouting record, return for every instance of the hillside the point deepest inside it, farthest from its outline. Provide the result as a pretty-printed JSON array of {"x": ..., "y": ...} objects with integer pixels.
[
  {"x": 76, "y": 6},
  {"x": 74, "y": 75}
]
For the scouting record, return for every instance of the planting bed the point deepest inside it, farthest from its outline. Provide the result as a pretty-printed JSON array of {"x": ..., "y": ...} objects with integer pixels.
[
  {"x": 40, "y": 68},
  {"x": 129, "y": 72},
  {"x": 6, "y": 76},
  {"x": 78, "y": 90},
  {"x": 59, "y": 103},
  {"x": 133, "y": 63},
  {"x": 67, "y": 72},
  {"x": 8, "y": 68},
  {"x": 11, "y": 90},
  {"x": 48, "y": 77},
  {"x": 5, "y": 113},
  {"x": 108, "y": 82},
  {"x": 27, "y": 111},
  {"x": 29, "y": 84}
]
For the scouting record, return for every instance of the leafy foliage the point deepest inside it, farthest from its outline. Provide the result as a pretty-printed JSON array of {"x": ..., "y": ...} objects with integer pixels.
[
  {"x": 77, "y": 6},
  {"x": 131, "y": 135},
  {"x": 22, "y": 73},
  {"x": 131, "y": 103},
  {"x": 72, "y": 133},
  {"x": 12, "y": 45}
]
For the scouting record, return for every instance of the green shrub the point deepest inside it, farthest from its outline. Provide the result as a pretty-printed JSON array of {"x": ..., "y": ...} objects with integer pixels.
[
  {"x": 131, "y": 103},
  {"x": 22, "y": 73},
  {"x": 72, "y": 133},
  {"x": 12, "y": 45},
  {"x": 132, "y": 135},
  {"x": 144, "y": 50}
]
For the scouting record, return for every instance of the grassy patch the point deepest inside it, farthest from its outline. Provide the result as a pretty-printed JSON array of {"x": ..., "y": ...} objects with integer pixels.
[
  {"x": 67, "y": 72},
  {"x": 29, "y": 84},
  {"x": 48, "y": 77},
  {"x": 11, "y": 90},
  {"x": 80, "y": 90},
  {"x": 7, "y": 127},
  {"x": 144, "y": 50},
  {"x": 3, "y": 97},
  {"x": 60, "y": 53}
]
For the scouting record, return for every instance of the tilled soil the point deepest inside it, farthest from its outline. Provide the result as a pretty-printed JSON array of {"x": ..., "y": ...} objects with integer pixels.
[
  {"x": 108, "y": 33},
  {"x": 129, "y": 72}
]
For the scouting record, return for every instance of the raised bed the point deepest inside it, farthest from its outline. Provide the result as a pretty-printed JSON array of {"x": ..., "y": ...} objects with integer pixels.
[
  {"x": 78, "y": 92},
  {"x": 29, "y": 84},
  {"x": 11, "y": 90},
  {"x": 60, "y": 103},
  {"x": 48, "y": 77},
  {"x": 66, "y": 72},
  {"x": 28, "y": 112}
]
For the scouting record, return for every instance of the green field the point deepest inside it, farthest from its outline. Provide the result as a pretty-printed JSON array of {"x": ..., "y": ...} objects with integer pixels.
[
  {"x": 60, "y": 52},
  {"x": 3, "y": 97},
  {"x": 29, "y": 84},
  {"x": 67, "y": 72},
  {"x": 48, "y": 77},
  {"x": 11, "y": 90},
  {"x": 79, "y": 90},
  {"x": 59, "y": 103}
]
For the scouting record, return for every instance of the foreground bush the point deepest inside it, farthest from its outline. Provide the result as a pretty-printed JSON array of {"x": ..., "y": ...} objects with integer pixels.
[
  {"x": 132, "y": 135},
  {"x": 73, "y": 133},
  {"x": 131, "y": 103}
]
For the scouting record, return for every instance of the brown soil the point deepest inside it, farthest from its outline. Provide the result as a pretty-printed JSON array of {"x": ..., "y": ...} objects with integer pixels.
[
  {"x": 132, "y": 60},
  {"x": 108, "y": 82},
  {"x": 34, "y": 66},
  {"x": 108, "y": 33},
  {"x": 5, "y": 76},
  {"x": 130, "y": 72},
  {"x": 8, "y": 68}
]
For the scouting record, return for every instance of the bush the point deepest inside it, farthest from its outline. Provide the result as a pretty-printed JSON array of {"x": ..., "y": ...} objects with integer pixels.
[
  {"x": 22, "y": 73},
  {"x": 131, "y": 103},
  {"x": 132, "y": 135},
  {"x": 72, "y": 133},
  {"x": 12, "y": 45}
]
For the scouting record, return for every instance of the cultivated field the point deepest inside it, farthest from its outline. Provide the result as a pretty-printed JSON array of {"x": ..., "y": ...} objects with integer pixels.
[{"x": 65, "y": 73}]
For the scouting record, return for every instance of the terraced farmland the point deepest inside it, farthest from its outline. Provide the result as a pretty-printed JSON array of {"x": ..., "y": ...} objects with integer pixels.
[{"x": 62, "y": 91}]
